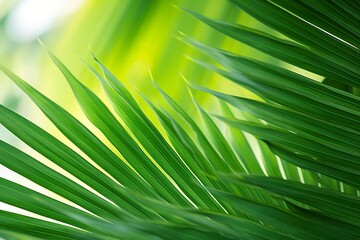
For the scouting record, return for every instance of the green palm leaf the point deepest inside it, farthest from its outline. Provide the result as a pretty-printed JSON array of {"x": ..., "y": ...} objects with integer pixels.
[{"x": 287, "y": 166}]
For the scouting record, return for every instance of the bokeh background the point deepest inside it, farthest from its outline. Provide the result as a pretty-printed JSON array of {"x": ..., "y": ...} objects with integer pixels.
[{"x": 131, "y": 37}]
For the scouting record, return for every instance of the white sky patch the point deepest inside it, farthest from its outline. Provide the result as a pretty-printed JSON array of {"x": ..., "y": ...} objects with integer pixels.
[{"x": 32, "y": 18}]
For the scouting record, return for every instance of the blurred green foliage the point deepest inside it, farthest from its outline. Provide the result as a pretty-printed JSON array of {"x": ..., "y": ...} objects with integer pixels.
[{"x": 131, "y": 37}]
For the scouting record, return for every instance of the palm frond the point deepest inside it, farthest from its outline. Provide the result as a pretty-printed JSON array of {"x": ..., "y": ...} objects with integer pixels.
[{"x": 287, "y": 167}]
